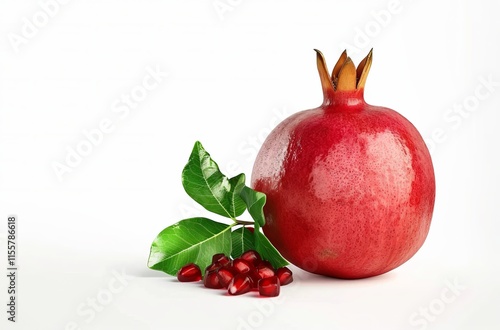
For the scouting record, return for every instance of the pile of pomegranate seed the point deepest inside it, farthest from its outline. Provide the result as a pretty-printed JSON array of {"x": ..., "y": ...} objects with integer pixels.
[{"x": 241, "y": 275}]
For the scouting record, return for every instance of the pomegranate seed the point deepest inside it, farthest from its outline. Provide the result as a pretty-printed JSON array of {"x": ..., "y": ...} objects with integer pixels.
[
  {"x": 284, "y": 275},
  {"x": 264, "y": 270},
  {"x": 240, "y": 284},
  {"x": 251, "y": 256},
  {"x": 212, "y": 267},
  {"x": 225, "y": 275},
  {"x": 217, "y": 256},
  {"x": 220, "y": 259},
  {"x": 269, "y": 287},
  {"x": 211, "y": 280},
  {"x": 254, "y": 276},
  {"x": 265, "y": 263},
  {"x": 242, "y": 266},
  {"x": 189, "y": 273},
  {"x": 241, "y": 275}
]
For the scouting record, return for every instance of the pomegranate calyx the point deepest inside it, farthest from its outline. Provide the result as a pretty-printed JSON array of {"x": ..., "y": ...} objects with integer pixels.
[
  {"x": 363, "y": 69},
  {"x": 326, "y": 81},
  {"x": 338, "y": 66},
  {"x": 345, "y": 76}
]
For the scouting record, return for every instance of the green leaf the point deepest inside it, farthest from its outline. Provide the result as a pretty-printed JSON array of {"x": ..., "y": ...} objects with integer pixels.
[
  {"x": 237, "y": 205},
  {"x": 205, "y": 183},
  {"x": 255, "y": 202},
  {"x": 242, "y": 240},
  {"x": 191, "y": 240},
  {"x": 268, "y": 251}
]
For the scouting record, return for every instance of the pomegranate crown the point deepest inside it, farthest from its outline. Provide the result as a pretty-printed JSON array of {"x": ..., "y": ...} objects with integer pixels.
[{"x": 345, "y": 76}]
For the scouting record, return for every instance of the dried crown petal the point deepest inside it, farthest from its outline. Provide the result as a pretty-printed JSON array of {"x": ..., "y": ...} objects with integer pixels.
[{"x": 345, "y": 76}]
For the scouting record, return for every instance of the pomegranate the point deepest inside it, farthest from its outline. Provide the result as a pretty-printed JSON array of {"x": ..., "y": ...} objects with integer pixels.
[{"x": 350, "y": 186}]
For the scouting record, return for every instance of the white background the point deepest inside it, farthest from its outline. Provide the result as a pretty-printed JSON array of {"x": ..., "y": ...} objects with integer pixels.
[{"x": 232, "y": 76}]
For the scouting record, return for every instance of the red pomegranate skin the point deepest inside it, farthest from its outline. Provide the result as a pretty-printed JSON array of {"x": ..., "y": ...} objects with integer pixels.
[{"x": 350, "y": 188}]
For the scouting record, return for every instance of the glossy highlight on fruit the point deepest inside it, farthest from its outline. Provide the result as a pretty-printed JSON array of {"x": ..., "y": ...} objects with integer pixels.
[
  {"x": 350, "y": 186},
  {"x": 242, "y": 266}
]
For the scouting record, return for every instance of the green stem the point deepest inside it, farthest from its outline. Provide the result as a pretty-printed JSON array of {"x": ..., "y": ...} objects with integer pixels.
[{"x": 243, "y": 222}]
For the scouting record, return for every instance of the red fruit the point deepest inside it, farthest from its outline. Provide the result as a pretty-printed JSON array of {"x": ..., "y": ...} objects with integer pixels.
[
  {"x": 220, "y": 259},
  {"x": 211, "y": 280},
  {"x": 269, "y": 287},
  {"x": 225, "y": 275},
  {"x": 284, "y": 275},
  {"x": 240, "y": 284},
  {"x": 251, "y": 256},
  {"x": 242, "y": 266},
  {"x": 189, "y": 273},
  {"x": 350, "y": 186}
]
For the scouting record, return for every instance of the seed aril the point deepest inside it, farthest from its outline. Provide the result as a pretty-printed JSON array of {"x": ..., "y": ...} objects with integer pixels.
[
  {"x": 220, "y": 259},
  {"x": 269, "y": 287},
  {"x": 212, "y": 266},
  {"x": 211, "y": 280},
  {"x": 242, "y": 266},
  {"x": 255, "y": 277},
  {"x": 225, "y": 275},
  {"x": 252, "y": 257},
  {"x": 285, "y": 275},
  {"x": 189, "y": 273},
  {"x": 241, "y": 275},
  {"x": 240, "y": 284},
  {"x": 265, "y": 271}
]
